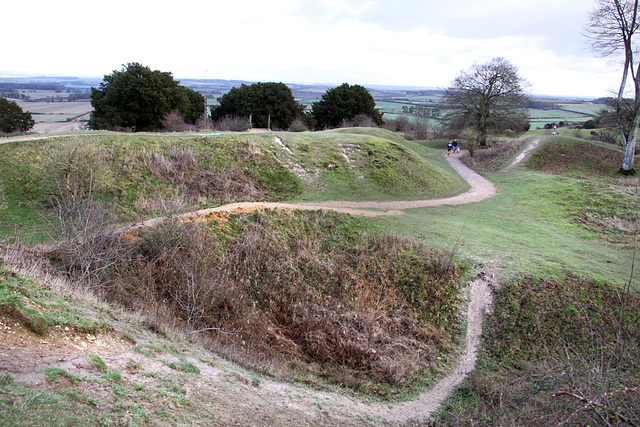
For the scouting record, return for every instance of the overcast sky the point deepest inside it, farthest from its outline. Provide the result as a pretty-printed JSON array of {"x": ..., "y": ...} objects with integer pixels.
[{"x": 399, "y": 42}]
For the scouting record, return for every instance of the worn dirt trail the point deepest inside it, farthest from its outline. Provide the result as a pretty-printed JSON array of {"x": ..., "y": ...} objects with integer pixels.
[
  {"x": 289, "y": 397},
  {"x": 480, "y": 296},
  {"x": 481, "y": 189}
]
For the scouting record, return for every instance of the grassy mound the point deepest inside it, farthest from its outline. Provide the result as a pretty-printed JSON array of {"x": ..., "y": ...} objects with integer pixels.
[
  {"x": 577, "y": 157},
  {"x": 359, "y": 164},
  {"x": 308, "y": 294},
  {"x": 135, "y": 177},
  {"x": 599, "y": 199},
  {"x": 558, "y": 351}
]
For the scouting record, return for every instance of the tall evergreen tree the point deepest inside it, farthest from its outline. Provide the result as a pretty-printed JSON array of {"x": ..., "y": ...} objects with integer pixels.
[
  {"x": 138, "y": 98},
  {"x": 342, "y": 103},
  {"x": 13, "y": 119},
  {"x": 261, "y": 101}
]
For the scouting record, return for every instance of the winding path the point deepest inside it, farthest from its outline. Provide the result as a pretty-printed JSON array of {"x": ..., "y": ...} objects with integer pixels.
[
  {"x": 480, "y": 294},
  {"x": 481, "y": 189},
  {"x": 423, "y": 406}
]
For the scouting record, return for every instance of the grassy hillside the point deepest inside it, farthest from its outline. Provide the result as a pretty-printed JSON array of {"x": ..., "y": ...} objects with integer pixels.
[
  {"x": 366, "y": 306},
  {"x": 556, "y": 352},
  {"x": 539, "y": 223},
  {"x": 562, "y": 344},
  {"x": 141, "y": 176}
]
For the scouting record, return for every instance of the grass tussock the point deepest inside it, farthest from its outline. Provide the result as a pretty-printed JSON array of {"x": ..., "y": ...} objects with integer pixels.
[
  {"x": 558, "y": 352},
  {"x": 307, "y": 293}
]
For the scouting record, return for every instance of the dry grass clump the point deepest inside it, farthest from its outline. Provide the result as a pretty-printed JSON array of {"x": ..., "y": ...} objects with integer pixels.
[
  {"x": 179, "y": 167},
  {"x": 299, "y": 289}
]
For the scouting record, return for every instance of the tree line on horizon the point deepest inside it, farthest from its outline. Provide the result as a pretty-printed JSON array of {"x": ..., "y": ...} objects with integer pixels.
[{"x": 488, "y": 98}]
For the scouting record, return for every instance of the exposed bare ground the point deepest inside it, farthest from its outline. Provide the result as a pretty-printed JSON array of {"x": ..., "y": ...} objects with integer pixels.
[
  {"x": 524, "y": 154},
  {"x": 234, "y": 398}
]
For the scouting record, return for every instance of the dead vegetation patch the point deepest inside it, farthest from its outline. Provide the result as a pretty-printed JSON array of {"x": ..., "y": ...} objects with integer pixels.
[
  {"x": 179, "y": 167},
  {"x": 299, "y": 294},
  {"x": 494, "y": 156}
]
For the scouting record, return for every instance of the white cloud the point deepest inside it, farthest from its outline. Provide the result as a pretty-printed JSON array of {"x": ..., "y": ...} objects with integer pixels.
[{"x": 406, "y": 42}]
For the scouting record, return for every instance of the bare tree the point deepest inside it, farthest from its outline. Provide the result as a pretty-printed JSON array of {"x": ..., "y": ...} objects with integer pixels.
[
  {"x": 612, "y": 31},
  {"x": 489, "y": 97}
]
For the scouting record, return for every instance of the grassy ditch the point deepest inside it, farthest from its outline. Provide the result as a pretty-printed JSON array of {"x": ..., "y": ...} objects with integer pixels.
[
  {"x": 557, "y": 352},
  {"x": 303, "y": 295}
]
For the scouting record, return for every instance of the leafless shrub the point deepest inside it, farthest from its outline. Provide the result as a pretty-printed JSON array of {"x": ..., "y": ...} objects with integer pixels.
[
  {"x": 297, "y": 125},
  {"x": 187, "y": 270},
  {"x": 179, "y": 167},
  {"x": 75, "y": 168},
  {"x": 177, "y": 161},
  {"x": 162, "y": 204},
  {"x": 204, "y": 123},
  {"x": 363, "y": 120},
  {"x": 174, "y": 122},
  {"x": 233, "y": 124},
  {"x": 360, "y": 120},
  {"x": 75, "y": 173},
  {"x": 86, "y": 241},
  {"x": 421, "y": 128}
]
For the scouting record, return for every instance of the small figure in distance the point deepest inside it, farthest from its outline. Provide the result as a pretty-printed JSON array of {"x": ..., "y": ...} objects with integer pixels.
[
  {"x": 449, "y": 148},
  {"x": 456, "y": 149}
]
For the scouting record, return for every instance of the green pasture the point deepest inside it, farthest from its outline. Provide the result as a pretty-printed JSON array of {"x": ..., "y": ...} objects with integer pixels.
[
  {"x": 526, "y": 229},
  {"x": 588, "y": 108}
]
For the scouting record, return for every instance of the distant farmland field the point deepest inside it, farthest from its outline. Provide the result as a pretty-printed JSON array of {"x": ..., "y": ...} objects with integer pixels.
[{"x": 56, "y": 111}]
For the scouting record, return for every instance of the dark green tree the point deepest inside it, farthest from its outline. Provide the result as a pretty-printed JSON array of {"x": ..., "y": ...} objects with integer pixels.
[
  {"x": 344, "y": 103},
  {"x": 260, "y": 101},
  {"x": 13, "y": 119},
  {"x": 138, "y": 98}
]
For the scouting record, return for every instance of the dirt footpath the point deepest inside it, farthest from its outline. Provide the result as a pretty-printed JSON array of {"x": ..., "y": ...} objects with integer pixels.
[
  {"x": 271, "y": 400},
  {"x": 480, "y": 291},
  {"x": 481, "y": 189}
]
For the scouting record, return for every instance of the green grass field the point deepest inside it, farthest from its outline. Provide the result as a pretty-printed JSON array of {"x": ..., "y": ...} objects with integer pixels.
[
  {"x": 559, "y": 235},
  {"x": 531, "y": 226}
]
